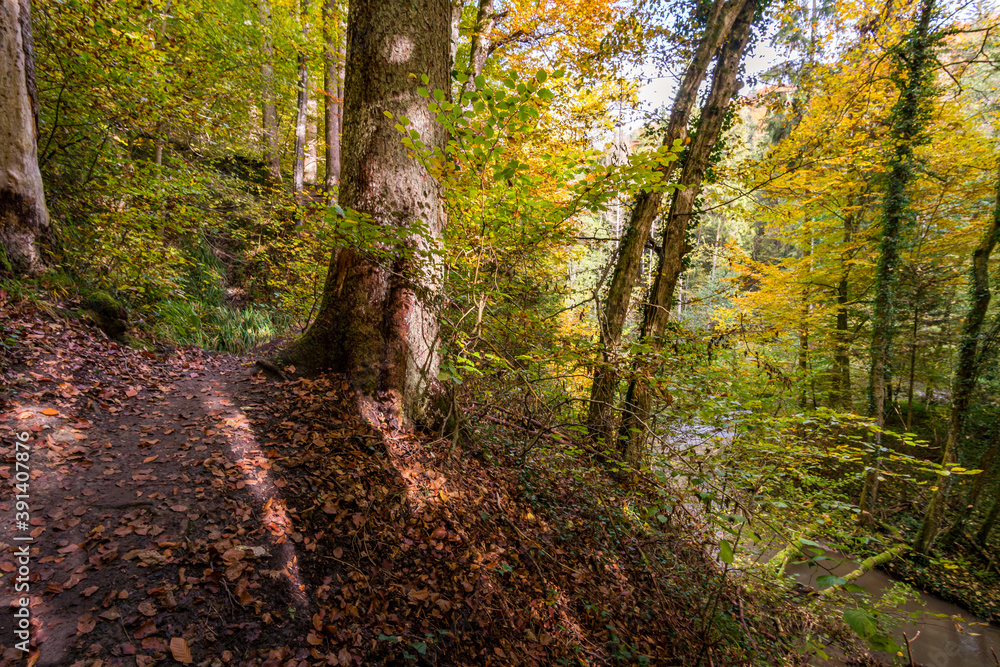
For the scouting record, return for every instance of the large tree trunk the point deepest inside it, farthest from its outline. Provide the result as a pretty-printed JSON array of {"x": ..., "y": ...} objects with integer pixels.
[
  {"x": 966, "y": 374},
  {"x": 908, "y": 128},
  {"x": 269, "y": 110},
  {"x": 720, "y": 21},
  {"x": 376, "y": 320},
  {"x": 631, "y": 441},
  {"x": 24, "y": 218},
  {"x": 479, "y": 44},
  {"x": 333, "y": 91},
  {"x": 302, "y": 111}
]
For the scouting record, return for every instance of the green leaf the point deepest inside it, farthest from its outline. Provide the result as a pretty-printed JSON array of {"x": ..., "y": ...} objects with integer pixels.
[
  {"x": 425, "y": 79},
  {"x": 726, "y": 552},
  {"x": 480, "y": 81},
  {"x": 861, "y": 622},
  {"x": 541, "y": 76},
  {"x": 828, "y": 580}
]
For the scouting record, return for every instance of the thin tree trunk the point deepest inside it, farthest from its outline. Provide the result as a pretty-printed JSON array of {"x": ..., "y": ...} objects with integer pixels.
[
  {"x": 987, "y": 463},
  {"x": 302, "y": 106},
  {"x": 991, "y": 520},
  {"x": 631, "y": 440},
  {"x": 721, "y": 18},
  {"x": 479, "y": 46},
  {"x": 908, "y": 127},
  {"x": 24, "y": 217},
  {"x": 269, "y": 110},
  {"x": 333, "y": 91},
  {"x": 966, "y": 374},
  {"x": 841, "y": 389},
  {"x": 913, "y": 368},
  {"x": 376, "y": 320}
]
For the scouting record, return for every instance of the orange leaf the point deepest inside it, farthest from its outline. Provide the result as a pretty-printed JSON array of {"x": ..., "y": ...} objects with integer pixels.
[
  {"x": 86, "y": 623},
  {"x": 179, "y": 649},
  {"x": 51, "y": 412}
]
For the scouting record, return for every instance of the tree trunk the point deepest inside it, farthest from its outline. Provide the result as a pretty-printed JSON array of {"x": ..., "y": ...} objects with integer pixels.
[
  {"x": 840, "y": 394},
  {"x": 675, "y": 245},
  {"x": 333, "y": 91},
  {"x": 991, "y": 520},
  {"x": 269, "y": 110},
  {"x": 897, "y": 216},
  {"x": 913, "y": 368},
  {"x": 966, "y": 374},
  {"x": 987, "y": 463},
  {"x": 479, "y": 46},
  {"x": 24, "y": 218},
  {"x": 376, "y": 319},
  {"x": 722, "y": 16},
  {"x": 302, "y": 107}
]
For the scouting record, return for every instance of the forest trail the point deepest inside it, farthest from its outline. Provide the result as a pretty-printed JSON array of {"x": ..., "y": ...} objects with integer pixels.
[
  {"x": 150, "y": 501},
  {"x": 187, "y": 510}
]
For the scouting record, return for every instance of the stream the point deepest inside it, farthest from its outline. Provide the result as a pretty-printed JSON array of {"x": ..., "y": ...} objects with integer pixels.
[
  {"x": 943, "y": 635},
  {"x": 942, "y": 641}
]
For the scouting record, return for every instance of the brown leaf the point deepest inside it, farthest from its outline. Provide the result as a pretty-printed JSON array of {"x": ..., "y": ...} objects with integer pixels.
[
  {"x": 145, "y": 630},
  {"x": 314, "y": 639},
  {"x": 111, "y": 614},
  {"x": 147, "y": 608},
  {"x": 86, "y": 623},
  {"x": 179, "y": 649},
  {"x": 90, "y": 590}
]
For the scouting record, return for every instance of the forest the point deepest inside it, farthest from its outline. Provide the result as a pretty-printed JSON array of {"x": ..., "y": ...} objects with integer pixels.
[{"x": 499, "y": 332}]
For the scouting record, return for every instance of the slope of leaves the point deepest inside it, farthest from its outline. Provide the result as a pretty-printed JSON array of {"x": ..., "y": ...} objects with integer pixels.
[{"x": 186, "y": 508}]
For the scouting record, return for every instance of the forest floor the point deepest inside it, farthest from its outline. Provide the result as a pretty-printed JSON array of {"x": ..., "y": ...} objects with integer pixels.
[{"x": 184, "y": 509}]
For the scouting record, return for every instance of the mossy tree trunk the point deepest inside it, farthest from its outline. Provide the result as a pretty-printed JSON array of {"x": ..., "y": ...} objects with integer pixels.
[
  {"x": 24, "y": 218},
  {"x": 909, "y": 117},
  {"x": 718, "y": 24},
  {"x": 377, "y": 319},
  {"x": 966, "y": 374},
  {"x": 676, "y": 245}
]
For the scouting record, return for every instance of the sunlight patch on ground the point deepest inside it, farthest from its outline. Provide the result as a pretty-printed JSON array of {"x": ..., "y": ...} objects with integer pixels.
[{"x": 254, "y": 463}]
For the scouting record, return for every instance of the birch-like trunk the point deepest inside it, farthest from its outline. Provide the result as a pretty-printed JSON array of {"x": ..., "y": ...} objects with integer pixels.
[
  {"x": 24, "y": 218},
  {"x": 377, "y": 318},
  {"x": 333, "y": 91},
  {"x": 302, "y": 111}
]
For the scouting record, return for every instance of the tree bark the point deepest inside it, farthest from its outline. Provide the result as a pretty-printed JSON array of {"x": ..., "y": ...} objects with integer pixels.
[
  {"x": 720, "y": 21},
  {"x": 913, "y": 367},
  {"x": 376, "y": 320},
  {"x": 24, "y": 217},
  {"x": 897, "y": 216},
  {"x": 991, "y": 520},
  {"x": 269, "y": 110},
  {"x": 333, "y": 92},
  {"x": 966, "y": 374},
  {"x": 841, "y": 386},
  {"x": 479, "y": 46},
  {"x": 675, "y": 245},
  {"x": 302, "y": 111}
]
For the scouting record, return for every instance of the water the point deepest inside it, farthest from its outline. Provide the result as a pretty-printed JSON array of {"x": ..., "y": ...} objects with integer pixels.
[{"x": 942, "y": 642}]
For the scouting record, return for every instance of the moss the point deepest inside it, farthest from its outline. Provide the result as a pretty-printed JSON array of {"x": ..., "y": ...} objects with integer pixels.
[{"x": 105, "y": 311}]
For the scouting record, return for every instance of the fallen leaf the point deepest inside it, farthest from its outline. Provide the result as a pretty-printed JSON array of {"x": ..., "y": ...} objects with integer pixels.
[
  {"x": 90, "y": 590},
  {"x": 179, "y": 649},
  {"x": 147, "y": 608},
  {"x": 86, "y": 623},
  {"x": 50, "y": 412}
]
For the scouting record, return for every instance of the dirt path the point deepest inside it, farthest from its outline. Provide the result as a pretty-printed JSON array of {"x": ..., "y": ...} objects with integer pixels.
[{"x": 154, "y": 528}]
